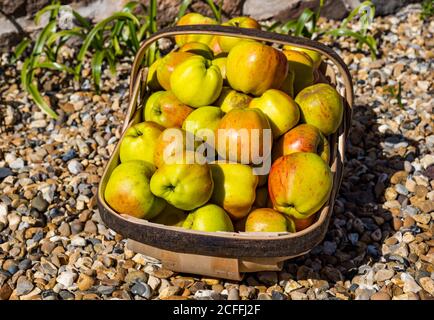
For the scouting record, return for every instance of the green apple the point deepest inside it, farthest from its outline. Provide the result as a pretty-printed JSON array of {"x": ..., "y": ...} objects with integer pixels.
[
  {"x": 321, "y": 106},
  {"x": 164, "y": 108},
  {"x": 167, "y": 64},
  {"x": 194, "y": 19},
  {"x": 299, "y": 184},
  {"x": 128, "y": 190},
  {"x": 198, "y": 48},
  {"x": 170, "y": 216},
  {"x": 209, "y": 218},
  {"x": 227, "y": 43},
  {"x": 184, "y": 186},
  {"x": 203, "y": 118},
  {"x": 234, "y": 188},
  {"x": 302, "y": 66},
  {"x": 253, "y": 67},
  {"x": 268, "y": 220},
  {"x": 303, "y": 138},
  {"x": 196, "y": 82},
  {"x": 152, "y": 79},
  {"x": 139, "y": 142},
  {"x": 281, "y": 110},
  {"x": 231, "y": 99}
]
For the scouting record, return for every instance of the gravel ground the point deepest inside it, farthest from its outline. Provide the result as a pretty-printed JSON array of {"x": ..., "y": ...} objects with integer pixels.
[{"x": 53, "y": 244}]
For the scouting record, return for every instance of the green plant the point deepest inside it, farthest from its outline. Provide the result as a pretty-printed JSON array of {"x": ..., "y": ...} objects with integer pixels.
[
  {"x": 427, "y": 9},
  {"x": 217, "y": 11},
  {"x": 396, "y": 93},
  {"x": 307, "y": 26},
  {"x": 108, "y": 41}
]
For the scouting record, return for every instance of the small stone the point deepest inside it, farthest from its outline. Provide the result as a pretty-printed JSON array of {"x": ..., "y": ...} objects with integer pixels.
[
  {"x": 75, "y": 167},
  {"x": 296, "y": 295},
  {"x": 399, "y": 177},
  {"x": 78, "y": 242},
  {"x": 66, "y": 279},
  {"x": 105, "y": 290},
  {"x": 276, "y": 295},
  {"x": 410, "y": 285},
  {"x": 153, "y": 282},
  {"x": 39, "y": 203},
  {"x": 363, "y": 294},
  {"x": 162, "y": 273},
  {"x": 423, "y": 218},
  {"x": 24, "y": 286},
  {"x": 25, "y": 264},
  {"x": 169, "y": 291},
  {"x": 233, "y": 294},
  {"x": 427, "y": 284},
  {"x": 135, "y": 276},
  {"x": 64, "y": 229},
  {"x": 90, "y": 227},
  {"x": 400, "y": 189},
  {"x": 206, "y": 295},
  {"x": 66, "y": 295},
  {"x": 17, "y": 164},
  {"x": 427, "y": 160},
  {"x": 142, "y": 289},
  {"x": 5, "y": 292},
  {"x": 410, "y": 185},
  {"x": 292, "y": 285},
  {"x": 390, "y": 194},
  {"x": 380, "y": 296},
  {"x": 329, "y": 247},
  {"x": 5, "y": 172},
  {"x": 85, "y": 282},
  {"x": 246, "y": 292},
  {"x": 264, "y": 296},
  {"x": 383, "y": 275}
]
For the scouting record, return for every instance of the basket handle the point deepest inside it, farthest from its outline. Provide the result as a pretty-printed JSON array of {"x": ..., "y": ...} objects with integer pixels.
[{"x": 247, "y": 33}]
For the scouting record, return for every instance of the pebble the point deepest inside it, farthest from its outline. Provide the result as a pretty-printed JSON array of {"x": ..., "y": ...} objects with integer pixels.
[
  {"x": 135, "y": 276},
  {"x": 24, "y": 286},
  {"x": 39, "y": 203},
  {"x": 142, "y": 289},
  {"x": 66, "y": 279},
  {"x": 169, "y": 291},
  {"x": 380, "y": 296},
  {"x": 17, "y": 164},
  {"x": 75, "y": 167},
  {"x": 85, "y": 282},
  {"x": 5, "y": 172},
  {"x": 296, "y": 295},
  {"x": 410, "y": 285},
  {"x": 233, "y": 294},
  {"x": 384, "y": 274}
]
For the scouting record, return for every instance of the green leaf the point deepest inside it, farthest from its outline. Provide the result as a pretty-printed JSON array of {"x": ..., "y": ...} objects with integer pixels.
[
  {"x": 40, "y": 42},
  {"x": 26, "y": 74},
  {"x": 75, "y": 32},
  {"x": 216, "y": 12},
  {"x": 40, "y": 102},
  {"x": 51, "y": 8},
  {"x": 152, "y": 16},
  {"x": 133, "y": 36},
  {"x": 96, "y": 63},
  {"x": 54, "y": 66},
  {"x": 99, "y": 27},
  {"x": 183, "y": 8},
  {"x": 20, "y": 48},
  {"x": 304, "y": 18},
  {"x": 82, "y": 20}
]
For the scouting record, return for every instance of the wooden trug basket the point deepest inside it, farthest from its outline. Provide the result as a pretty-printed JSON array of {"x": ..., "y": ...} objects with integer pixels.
[{"x": 227, "y": 254}]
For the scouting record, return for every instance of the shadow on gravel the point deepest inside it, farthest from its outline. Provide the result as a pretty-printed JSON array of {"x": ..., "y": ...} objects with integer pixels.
[{"x": 360, "y": 224}]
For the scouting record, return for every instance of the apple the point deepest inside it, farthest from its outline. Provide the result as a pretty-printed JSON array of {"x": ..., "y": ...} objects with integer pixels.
[
  {"x": 152, "y": 79},
  {"x": 221, "y": 64},
  {"x": 268, "y": 220},
  {"x": 164, "y": 108},
  {"x": 244, "y": 135},
  {"x": 196, "y": 82},
  {"x": 203, "y": 118},
  {"x": 299, "y": 184},
  {"x": 253, "y": 67},
  {"x": 321, "y": 106},
  {"x": 281, "y": 110},
  {"x": 231, "y": 99},
  {"x": 314, "y": 55},
  {"x": 301, "y": 224},
  {"x": 302, "y": 66},
  {"x": 288, "y": 84},
  {"x": 234, "y": 188},
  {"x": 198, "y": 48},
  {"x": 172, "y": 142},
  {"x": 226, "y": 42},
  {"x": 261, "y": 197},
  {"x": 193, "y": 19},
  {"x": 139, "y": 142},
  {"x": 303, "y": 138},
  {"x": 184, "y": 186},
  {"x": 167, "y": 65},
  {"x": 209, "y": 218},
  {"x": 170, "y": 216},
  {"x": 128, "y": 191}
]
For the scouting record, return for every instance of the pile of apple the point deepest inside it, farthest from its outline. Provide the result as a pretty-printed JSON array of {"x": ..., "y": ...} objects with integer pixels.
[{"x": 214, "y": 83}]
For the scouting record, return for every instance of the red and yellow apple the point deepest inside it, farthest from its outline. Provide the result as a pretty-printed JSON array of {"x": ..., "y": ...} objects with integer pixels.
[
  {"x": 299, "y": 184},
  {"x": 303, "y": 138},
  {"x": 268, "y": 220},
  {"x": 164, "y": 108},
  {"x": 253, "y": 67},
  {"x": 209, "y": 218},
  {"x": 167, "y": 64},
  {"x": 226, "y": 42},
  {"x": 314, "y": 55},
  {"x": 302, "y": 66},
  {"x": 198, "y": 48},
  {"x": 194, "y": 19},
  {"x": 231, "y": 99}
]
